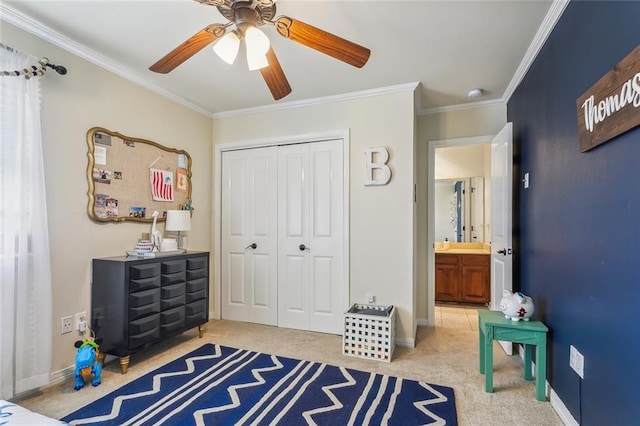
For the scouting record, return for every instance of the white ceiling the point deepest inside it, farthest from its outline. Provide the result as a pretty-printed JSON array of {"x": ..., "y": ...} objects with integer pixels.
[{"x": 448, "y": 46}]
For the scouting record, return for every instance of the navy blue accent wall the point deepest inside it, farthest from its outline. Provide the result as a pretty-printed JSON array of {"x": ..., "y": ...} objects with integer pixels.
[{"x": 579, "y": 221}]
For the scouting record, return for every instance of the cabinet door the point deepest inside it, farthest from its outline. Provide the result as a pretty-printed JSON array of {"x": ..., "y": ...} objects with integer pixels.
[
  {"x": 475, "y": 279},
  {"x": 447, "y": 282}
]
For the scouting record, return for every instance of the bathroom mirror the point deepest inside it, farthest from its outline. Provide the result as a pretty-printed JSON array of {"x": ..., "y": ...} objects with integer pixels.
[
  {"x": 130, "y": 178},
  {"x": 459, "y": 210}
]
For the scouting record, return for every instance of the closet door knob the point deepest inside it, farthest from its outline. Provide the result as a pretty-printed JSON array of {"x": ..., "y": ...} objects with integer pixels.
[
  {"x": 502, "y": 252},
  {"x": 252, "y": 246},
  {"x": 302, "y": 247}
]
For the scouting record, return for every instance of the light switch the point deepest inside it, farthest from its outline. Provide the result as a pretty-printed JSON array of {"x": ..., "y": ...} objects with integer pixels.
[{"x": 525, "y": 180}]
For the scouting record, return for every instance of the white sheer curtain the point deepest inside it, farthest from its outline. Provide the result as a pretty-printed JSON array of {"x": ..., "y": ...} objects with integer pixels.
[{"x": 25, "y": 271}]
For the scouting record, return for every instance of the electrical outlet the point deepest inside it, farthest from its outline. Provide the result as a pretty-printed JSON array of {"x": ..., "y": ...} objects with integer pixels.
[
  {"x": 80, "y": 321},
  {"x": 576, "y": 361},
  {"x": 371, "y": 298},
  {"x": 67, "y": 325}
]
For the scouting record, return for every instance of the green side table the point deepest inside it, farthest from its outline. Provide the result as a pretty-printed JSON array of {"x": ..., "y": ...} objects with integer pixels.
[{"x": 492, "y": 325}]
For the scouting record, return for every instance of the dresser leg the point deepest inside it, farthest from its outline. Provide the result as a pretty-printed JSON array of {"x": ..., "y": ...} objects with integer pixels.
[
  {"x": 101, "y": 357},
  {"x": 201, "y": 330},
  {"x": 124, "y": 364}
]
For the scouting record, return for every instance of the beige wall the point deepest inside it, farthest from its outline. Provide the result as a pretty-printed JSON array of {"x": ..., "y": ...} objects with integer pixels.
[
  {"x": 90, "y": 96},
  {"x": 381, "y": 227},
  {"x": 482, "y": 121}
]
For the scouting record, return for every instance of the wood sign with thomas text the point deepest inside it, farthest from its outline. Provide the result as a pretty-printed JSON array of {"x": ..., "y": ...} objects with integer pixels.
[{"x": 612, "y": 105}]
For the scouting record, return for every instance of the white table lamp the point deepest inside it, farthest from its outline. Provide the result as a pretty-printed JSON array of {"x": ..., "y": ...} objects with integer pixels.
[{"x": 179, "y": 220}]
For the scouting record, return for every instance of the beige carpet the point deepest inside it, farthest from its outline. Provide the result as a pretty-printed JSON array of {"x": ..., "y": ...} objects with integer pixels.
[{"x": 442, "y": 356}]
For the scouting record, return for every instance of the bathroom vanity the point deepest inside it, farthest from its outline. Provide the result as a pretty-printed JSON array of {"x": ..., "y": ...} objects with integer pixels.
[{"x": 463, "y": 273}]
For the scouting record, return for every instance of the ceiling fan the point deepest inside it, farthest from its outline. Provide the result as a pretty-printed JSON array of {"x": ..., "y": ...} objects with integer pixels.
[{"x": 247, "y": 16}]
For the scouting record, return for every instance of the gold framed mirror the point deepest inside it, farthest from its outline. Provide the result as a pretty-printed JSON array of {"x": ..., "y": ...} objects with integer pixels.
[{"x": 130, "y": 178}]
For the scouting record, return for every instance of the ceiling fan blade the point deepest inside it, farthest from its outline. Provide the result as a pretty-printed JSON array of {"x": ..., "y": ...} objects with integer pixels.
[
  {"x": 193, "y": 45},
  {"x": 322, "y": 41},
  {"x": 274, "y": 77}
]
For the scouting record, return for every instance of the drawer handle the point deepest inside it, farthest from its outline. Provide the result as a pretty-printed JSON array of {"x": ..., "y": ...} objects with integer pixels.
[{"x": 252, "y": 246}]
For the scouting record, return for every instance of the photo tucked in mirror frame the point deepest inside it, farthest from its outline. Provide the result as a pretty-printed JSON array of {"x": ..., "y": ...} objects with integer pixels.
[{"x": 130, "y": 178}]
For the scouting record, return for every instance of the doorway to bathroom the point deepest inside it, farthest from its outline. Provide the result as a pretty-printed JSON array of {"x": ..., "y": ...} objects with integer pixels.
[{"x": 493, "y": 156}]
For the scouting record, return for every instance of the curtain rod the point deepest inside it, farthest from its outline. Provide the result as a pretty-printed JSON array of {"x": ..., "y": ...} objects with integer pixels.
[{"x": 36, "y": 70}]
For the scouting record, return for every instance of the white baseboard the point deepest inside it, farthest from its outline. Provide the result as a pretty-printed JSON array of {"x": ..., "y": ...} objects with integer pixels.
[
  {"x": 62, "y": 375},
  {"x": 561, "y": 409},
  {"x": 554, "y": 399},
  {"x": 423, "y": 322},
  {"x": 406, "y": 343},
  {"x": 69, "y": 372}
]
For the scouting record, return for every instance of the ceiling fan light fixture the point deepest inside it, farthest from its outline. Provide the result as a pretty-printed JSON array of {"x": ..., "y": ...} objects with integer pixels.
[
  {"x": 257, "y": 62},
  {"x": 227, "y": 47},
  {"x": 257, "y": 44}
]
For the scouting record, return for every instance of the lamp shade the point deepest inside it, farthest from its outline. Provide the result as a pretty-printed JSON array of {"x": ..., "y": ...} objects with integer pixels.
[
  {"x": 227, "y": 47},
  {"x": 257, "y": 47},
  {"x": 178, "y": 220}
]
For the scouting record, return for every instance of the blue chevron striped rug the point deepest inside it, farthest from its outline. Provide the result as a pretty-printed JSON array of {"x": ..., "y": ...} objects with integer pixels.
[{"x": 218, "y": 385}]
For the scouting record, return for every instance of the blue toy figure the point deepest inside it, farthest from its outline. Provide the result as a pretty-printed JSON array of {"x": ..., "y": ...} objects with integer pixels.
[{"x": 87, "y": 363}]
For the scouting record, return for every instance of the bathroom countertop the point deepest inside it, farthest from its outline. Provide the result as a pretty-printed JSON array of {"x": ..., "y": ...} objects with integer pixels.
[{"x": 462, "y": 248}]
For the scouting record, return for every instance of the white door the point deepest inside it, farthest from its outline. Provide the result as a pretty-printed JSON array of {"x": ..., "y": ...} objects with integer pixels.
[
  {"x": 501, "y": 217},
  {"x": 310, "y": 234},
  {"x": 249, "y": 235}
]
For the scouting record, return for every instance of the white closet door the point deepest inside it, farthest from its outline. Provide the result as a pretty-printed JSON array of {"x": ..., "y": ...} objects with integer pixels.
[
  {"x": 310, "y": 237},
  {"x": 249, "y": 235}
]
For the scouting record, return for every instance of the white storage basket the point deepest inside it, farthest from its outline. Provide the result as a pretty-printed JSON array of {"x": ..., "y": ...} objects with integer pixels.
[{"x": 369, "y": 332}]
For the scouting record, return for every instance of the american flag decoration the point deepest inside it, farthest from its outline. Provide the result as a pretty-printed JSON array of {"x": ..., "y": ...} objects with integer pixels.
[{"x": 161, "y": 185}]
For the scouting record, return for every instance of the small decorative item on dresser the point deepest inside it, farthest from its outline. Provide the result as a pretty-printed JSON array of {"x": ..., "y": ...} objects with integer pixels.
[
  {"x": 178, "y": 221},
  {"x": 144, "y": 248},
  {"x": 168, "y": 244}
]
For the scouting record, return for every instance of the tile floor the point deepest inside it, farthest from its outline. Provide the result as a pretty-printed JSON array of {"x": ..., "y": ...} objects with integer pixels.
[{"x": 464, "y": 317}]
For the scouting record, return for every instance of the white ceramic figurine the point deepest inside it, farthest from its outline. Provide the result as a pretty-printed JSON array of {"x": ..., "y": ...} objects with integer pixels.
[
  {"x": 516, "y": 306},
  {"x": 156, "y": 237}
]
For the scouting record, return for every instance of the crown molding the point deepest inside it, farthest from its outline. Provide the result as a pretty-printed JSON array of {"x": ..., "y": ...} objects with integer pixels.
[
  {"x": 460, "y": 107},
  {"x": 42, "y": 31},
  {"x": 548, "y": 24},
  {"x": 400, "y": 88}
]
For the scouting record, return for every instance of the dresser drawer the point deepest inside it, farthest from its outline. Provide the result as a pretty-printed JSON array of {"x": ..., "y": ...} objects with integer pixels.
[
  {"x": 196, "y": 313},
  {"x": 171, "y": 303},
  {"x": 171, "y": 291},
  {"x": 144, "y": 338},
  {"x": 178, "y": 277},
  {"x": 193, "y": 274},
  {"x": 143, "y": 284},
  {"x": 197, "y": 262},
  {"x": 195, "y": 308},
  {"x": 144, "y": 270},
  {"x": 171, "y": 327},
  {"x": 196, "y": 295},
  {"x": 196, "y": 285},
  {"x": 172, "y": 315},
  {"x": 173, "y": 266},
  {"x": 143, "y": 311},
  {"x": 144, "y": 324},
  {"x": 145, "y": 297}
]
